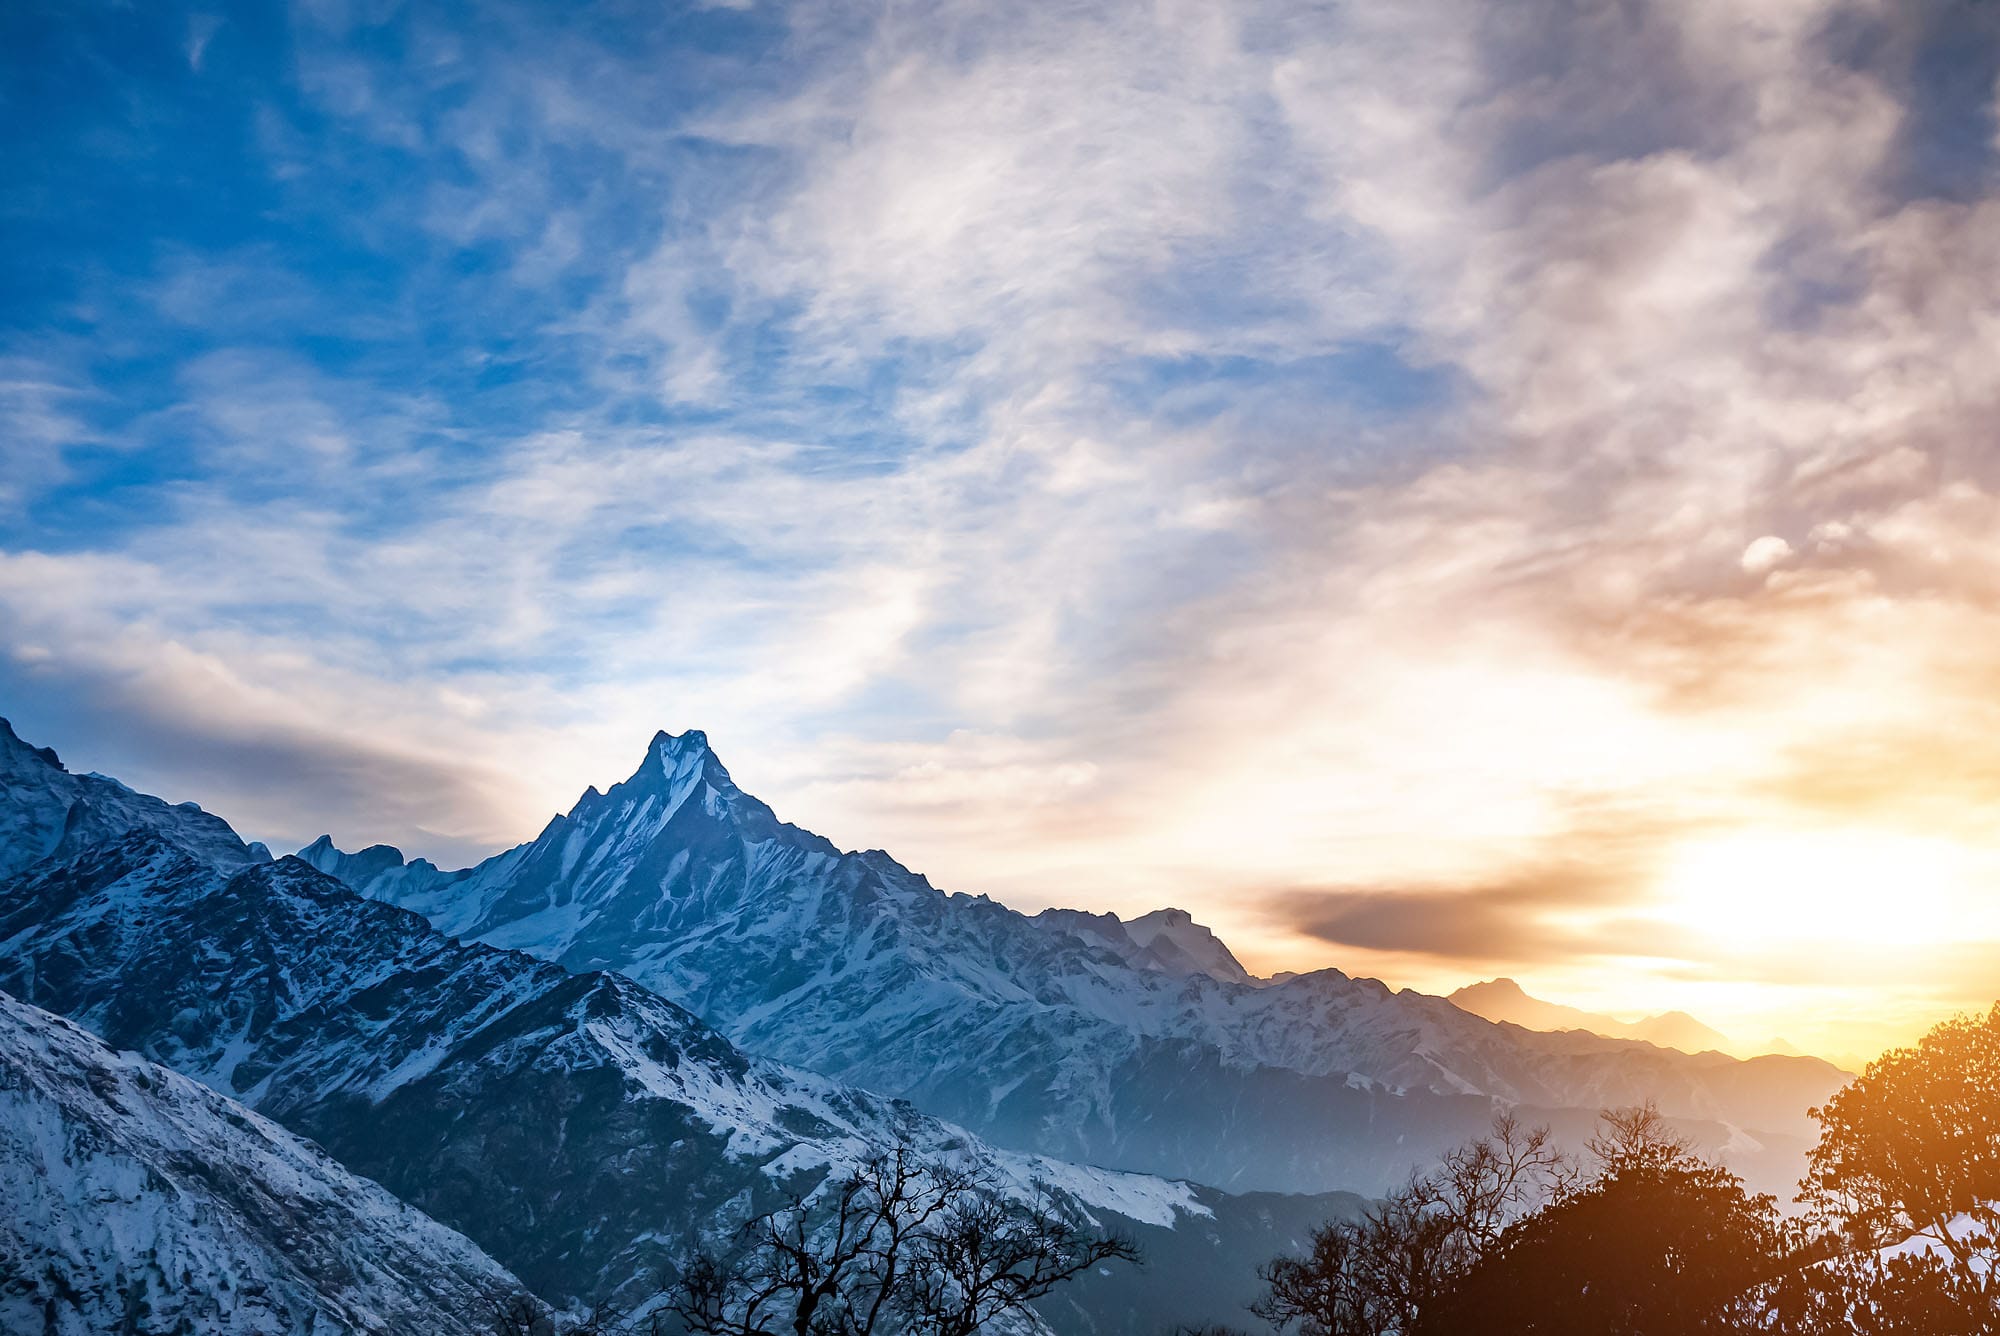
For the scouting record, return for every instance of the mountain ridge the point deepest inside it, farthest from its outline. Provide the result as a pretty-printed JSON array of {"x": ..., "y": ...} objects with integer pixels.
[
  {"x": 529, "y": 1106},
  {"x": 1048, "y": 1033},
  {"x": 45, "y": 807}
]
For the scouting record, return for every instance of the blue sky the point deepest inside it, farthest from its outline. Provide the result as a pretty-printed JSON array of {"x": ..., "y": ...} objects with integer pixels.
[{"x": 1344, "y": 468}]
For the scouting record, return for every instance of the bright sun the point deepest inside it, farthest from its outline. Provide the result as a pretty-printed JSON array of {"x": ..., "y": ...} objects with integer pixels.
[{"x": 1750, "y": 888}]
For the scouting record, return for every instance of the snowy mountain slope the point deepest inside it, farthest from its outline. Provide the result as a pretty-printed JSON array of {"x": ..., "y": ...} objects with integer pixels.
[
  {"x": 139, "y": 1200},
  {"x": 576, "y": 1125},
  {"x": 1049, "y": 1033},
  {"x": 43, "y": 807},
  {"x": 490, "y": 1089},
  {"x": 1167, "y": 940}
]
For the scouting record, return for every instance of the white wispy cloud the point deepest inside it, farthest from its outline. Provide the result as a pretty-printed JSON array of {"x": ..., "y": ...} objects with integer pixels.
[{"x": 960, "y": 423}]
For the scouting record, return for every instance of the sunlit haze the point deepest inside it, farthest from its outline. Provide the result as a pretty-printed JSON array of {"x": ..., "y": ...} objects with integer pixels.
[{"x": 1436, "y": 490}]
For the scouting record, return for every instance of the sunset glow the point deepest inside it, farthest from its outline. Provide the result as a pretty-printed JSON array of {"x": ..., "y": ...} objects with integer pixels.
[{"x": 1772, "y": 890}]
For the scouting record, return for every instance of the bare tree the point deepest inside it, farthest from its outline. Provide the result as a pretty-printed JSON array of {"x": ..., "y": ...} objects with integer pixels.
[
  {"x": 990, "y": 1256},
  {"x": 1636, "y": 1138},
  {"x": 1374, "y": 1276},
  {"x": 1332, "y": 1290},
  {"x": 522, "y": 1315},
  {"x": 1486, "y": 1184},
  {"x": 901, "y": 1245},
  {"x": 525, "y": 1315}
]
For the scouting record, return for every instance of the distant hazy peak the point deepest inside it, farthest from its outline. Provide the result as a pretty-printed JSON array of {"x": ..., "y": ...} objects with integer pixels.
[
  {"x": 1505, "y": 1000},
  {"x": 1491, "y": 991},
  {"x": 1163, "y": 920},
  {"x": 373, "y": 871},
  {"x": 1175, "y": 929}
]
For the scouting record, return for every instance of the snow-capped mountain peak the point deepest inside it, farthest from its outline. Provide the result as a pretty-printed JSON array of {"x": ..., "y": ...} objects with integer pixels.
[
  {"x": 376, "y": 863},
  {"x": 1183, "y": 946},
  {"x": 692, "y": 744},
  {"x": 1168, "y": 941},
  {"x": 1067, "y": 1032},
  {"x": 685, "y": 760},
  {"x": 489, "y": 1089},
  {"x": 448, "y": 1069}
]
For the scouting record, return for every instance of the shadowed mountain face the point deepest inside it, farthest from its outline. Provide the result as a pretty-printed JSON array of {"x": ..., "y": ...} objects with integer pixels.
[
  {"x": 575, "y": 1125},
  {"x": 45, "y": 810},
  {"x": 138, "y": 1200},
  {"x": 1061, "y": 1034}
]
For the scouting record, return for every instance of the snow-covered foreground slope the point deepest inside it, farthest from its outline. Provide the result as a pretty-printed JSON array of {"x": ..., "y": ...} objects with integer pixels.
[
  {"x": 577, "y": 1126},
  {"x": 138, "y": 1200},
  {"x": 1130, "y": 1044}
]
